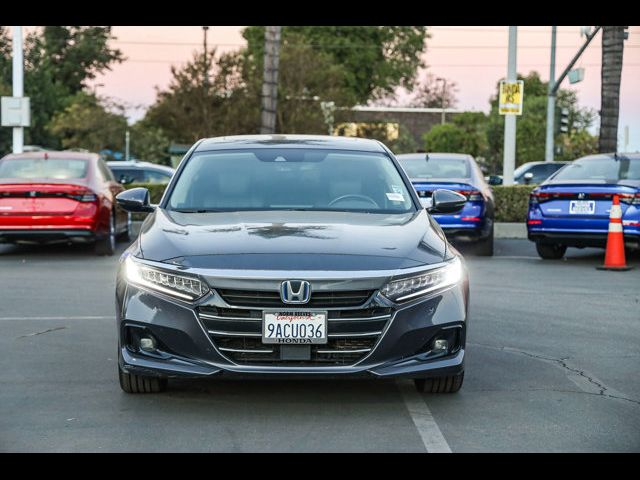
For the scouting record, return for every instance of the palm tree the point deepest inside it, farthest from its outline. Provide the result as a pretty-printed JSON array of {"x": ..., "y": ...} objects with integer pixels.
[{"x": 612, "y": 48}]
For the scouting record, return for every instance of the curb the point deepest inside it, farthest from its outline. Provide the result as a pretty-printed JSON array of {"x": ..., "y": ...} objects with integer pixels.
[{"x": 510, "y": 230}]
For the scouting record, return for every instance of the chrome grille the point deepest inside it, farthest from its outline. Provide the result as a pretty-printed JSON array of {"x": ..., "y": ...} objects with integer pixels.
[
  {"x": 271, "y": 299},
  {"x": 351, "y": 335}
]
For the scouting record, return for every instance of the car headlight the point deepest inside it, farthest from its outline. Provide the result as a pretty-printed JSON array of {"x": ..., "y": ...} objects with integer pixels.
[
  {"x": 412, "y": 287},
  {"x": 180, "y": 286}
]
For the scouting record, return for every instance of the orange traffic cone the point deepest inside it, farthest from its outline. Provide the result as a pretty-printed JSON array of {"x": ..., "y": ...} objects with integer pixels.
[{"x": 614, "y": 256}]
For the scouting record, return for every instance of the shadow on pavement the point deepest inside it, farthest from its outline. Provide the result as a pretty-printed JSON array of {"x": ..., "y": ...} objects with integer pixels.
[{"x": 56, "y": 251}]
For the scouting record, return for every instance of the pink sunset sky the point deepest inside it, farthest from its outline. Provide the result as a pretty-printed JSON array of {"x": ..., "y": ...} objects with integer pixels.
[{"x": 473, "y": 57}]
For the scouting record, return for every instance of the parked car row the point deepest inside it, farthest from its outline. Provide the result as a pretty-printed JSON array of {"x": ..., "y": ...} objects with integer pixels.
[{"x": 68, "y": 197}]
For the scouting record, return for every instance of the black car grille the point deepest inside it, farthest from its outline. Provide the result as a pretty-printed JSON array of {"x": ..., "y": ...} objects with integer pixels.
[
  {"x": 237, "y": 333},
  {"x": 271, "y": 299}
]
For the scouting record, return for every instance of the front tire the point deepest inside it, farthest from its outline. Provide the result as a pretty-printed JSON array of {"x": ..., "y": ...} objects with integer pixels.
[
  {"x": 551, "y": 251},
  {"x": 132, "y": 383},
  {"x": 448, "y": 384}
]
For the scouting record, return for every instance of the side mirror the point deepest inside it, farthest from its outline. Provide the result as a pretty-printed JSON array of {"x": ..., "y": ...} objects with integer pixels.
[
  {"x": 495, "y": 180},
  {"x": 528, "y": 177},
  {"x": 447, "y": 201},
  {"x": 135, "y": 200}
]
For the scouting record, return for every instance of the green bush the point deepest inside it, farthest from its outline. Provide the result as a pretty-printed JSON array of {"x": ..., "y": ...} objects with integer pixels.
[{"x": 512, "y": 202}]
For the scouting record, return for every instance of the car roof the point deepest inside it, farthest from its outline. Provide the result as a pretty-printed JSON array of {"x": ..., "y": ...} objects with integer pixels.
[
  {"x": 62, "y": 154},
  {"x": 140, "y": 164},
  {"x": 631, "y": 156},
  {"x": 434, "y": 156},
  {"x": 289, "y": 141},
  {"x": 555, "y": 162}
]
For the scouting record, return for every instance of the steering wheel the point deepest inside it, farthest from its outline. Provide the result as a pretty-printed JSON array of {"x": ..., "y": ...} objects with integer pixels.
[{"x": 354, "y": 195}]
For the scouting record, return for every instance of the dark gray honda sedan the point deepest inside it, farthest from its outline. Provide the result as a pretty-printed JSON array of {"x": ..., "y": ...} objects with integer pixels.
[{"x": 291, "y": 256}]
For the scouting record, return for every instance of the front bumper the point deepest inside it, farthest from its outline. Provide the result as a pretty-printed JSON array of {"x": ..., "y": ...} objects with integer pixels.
[
  {"x": 186, "y": 349},
  {"x": 580, "y": 239}
]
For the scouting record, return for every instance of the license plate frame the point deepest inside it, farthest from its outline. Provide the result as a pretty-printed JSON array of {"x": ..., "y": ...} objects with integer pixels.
[
  {"x": 316, "y": 318},
  {"x": 582, "y": 207}
]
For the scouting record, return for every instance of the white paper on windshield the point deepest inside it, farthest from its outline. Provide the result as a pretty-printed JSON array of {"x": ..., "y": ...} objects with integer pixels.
[{"x": 395, "y": 197}]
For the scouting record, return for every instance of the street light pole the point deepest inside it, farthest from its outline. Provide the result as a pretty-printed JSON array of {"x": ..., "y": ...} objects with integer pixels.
[
  {"x": 444, "y": 91},
  {"x": 509, "y": 159},
  {"x": 18, "y": 84},
  {"x": 551, "y": 100}
]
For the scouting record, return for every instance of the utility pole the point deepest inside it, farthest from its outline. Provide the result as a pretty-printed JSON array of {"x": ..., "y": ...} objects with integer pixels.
[
  {"x": 206, "y": 65},
  {"x": 551, "y": 100},
  {"x": 444, "y": 92},
  {"x": 270, "y": 79},
  {"x": 18, "y": 85},
  {"x": 509, "y": 158},
  {"x": 126, "y": 145}
]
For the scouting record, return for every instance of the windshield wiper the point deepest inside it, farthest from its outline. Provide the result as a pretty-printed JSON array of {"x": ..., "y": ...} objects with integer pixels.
[{"x": 194, "y": 210}]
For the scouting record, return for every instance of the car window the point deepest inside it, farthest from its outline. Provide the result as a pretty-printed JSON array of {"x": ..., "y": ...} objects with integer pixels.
[
  {"x": 435, "y": 167},
  {"x": 291, "y": 178},
  {"x": 155, "y": 176},
  {"x": 105, "y": 172},
  {"x": 131, "y": 174},
  {"x": 50, "y": 168},
  {"x": 601, "y": 168}
]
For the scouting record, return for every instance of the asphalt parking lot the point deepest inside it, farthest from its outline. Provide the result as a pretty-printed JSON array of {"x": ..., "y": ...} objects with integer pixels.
[{"x": 553, "y": 365}]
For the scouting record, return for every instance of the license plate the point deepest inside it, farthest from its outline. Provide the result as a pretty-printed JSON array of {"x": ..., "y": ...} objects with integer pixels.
[
  {"x": 294, "y": 327},
  {"x": 582, "y": 207}
]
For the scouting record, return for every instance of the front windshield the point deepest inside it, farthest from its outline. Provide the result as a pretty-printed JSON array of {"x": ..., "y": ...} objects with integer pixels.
[
  {"x": 290, "y": 179},
  {"x": 601, "y": 168},
  {"x": 435, "y": 168}
]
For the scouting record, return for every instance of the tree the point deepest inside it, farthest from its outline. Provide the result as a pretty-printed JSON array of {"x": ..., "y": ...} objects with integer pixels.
[
  {"x": 86, "y": 123},
  {"x": 432, "y": 92},
  {"x": 375, "y": 59},
  {"x": 149, "y": 143},
  {"x": 612, "y": 50},
  {"x": 58, "y": 62},
  {"x": 195, "y": 106}
]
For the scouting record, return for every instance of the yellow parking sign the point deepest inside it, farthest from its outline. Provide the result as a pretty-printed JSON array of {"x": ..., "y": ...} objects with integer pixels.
[{"x": 511, "y": 95}]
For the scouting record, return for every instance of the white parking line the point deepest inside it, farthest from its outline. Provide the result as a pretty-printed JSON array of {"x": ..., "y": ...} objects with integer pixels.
[
  {"x": 426, "y": 425},
  {"x": 87, "y": 317}
]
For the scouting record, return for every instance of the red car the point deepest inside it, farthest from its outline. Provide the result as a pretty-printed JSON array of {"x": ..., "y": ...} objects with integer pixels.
[{"x": 53, "y": 197}]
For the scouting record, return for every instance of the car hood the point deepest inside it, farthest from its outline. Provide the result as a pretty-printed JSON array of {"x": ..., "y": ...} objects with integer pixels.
[{"x": 292, "y": 240}]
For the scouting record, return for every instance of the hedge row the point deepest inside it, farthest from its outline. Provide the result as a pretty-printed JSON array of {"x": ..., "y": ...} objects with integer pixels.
[{"x": 511, "y": 202}]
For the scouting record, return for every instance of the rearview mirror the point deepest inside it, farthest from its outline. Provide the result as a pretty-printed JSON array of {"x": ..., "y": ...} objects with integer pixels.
[
  {"x": 527, "y": 178},
  {"x": 125, "y": 179},
  {"x": 495, "y": 180},
  {"x": 135, "y": 200},
  {"x": 446, "y": 201}
]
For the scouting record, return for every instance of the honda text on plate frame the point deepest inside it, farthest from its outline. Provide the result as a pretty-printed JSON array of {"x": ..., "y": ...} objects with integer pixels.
[
  {"x": 290, "y": 256},
  {"x": 572, "y": 207}
]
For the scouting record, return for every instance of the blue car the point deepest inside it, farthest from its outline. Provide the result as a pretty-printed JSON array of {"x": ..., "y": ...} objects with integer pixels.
[
  {"x": 460, "y": 173},
  {"x": 571, "y": 208}
]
